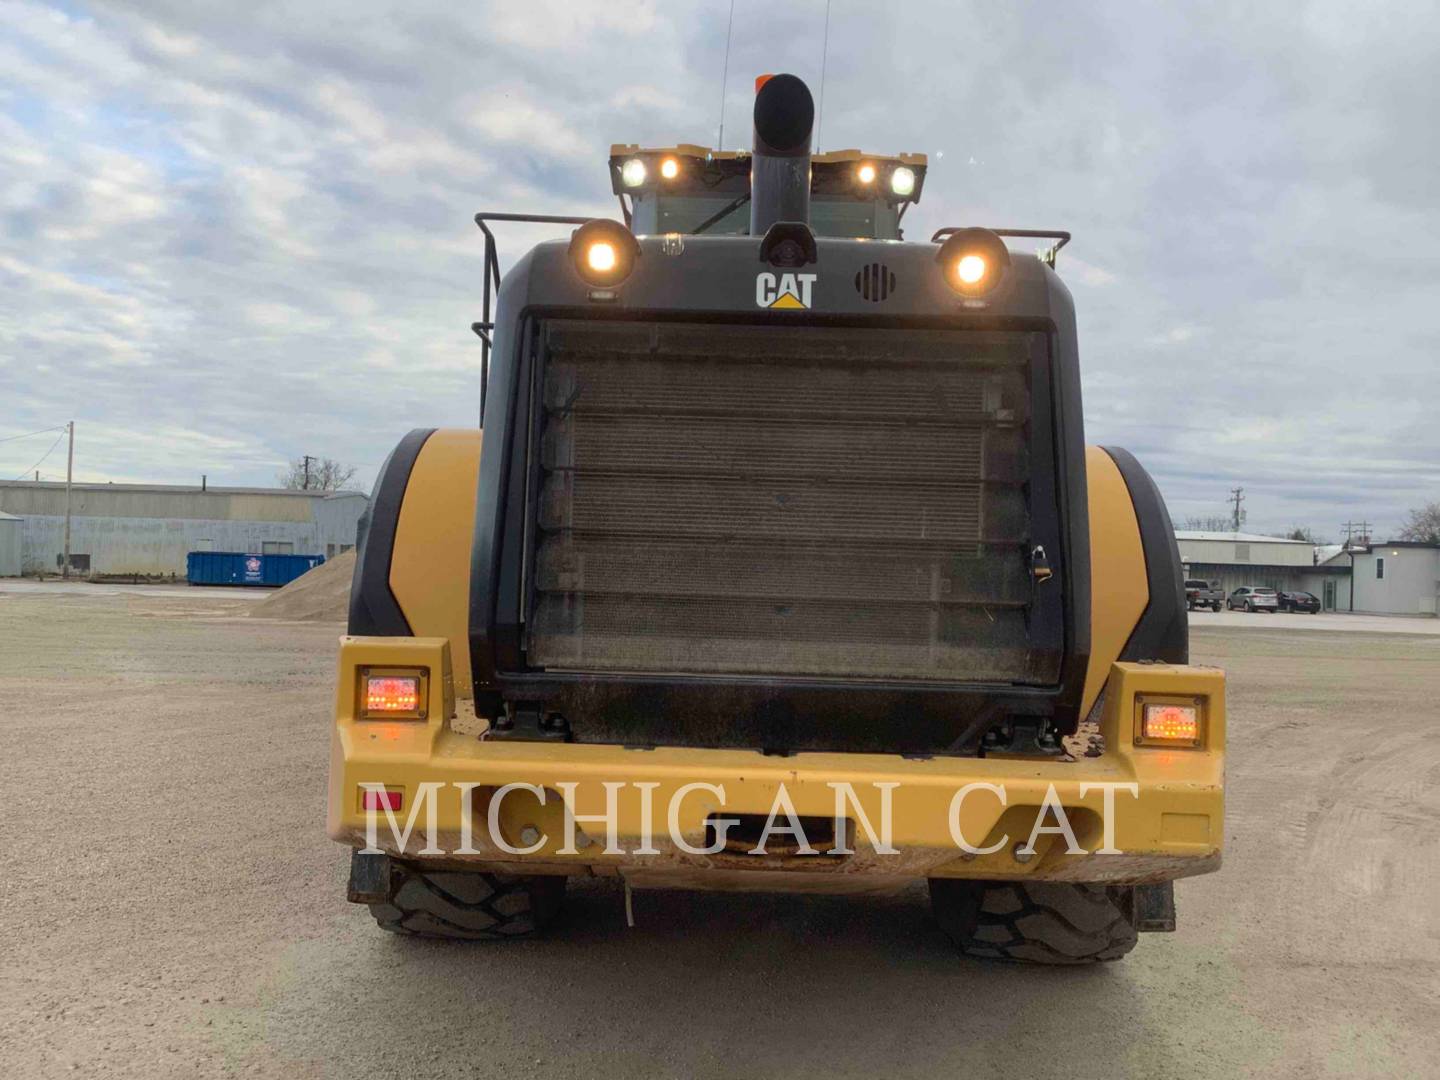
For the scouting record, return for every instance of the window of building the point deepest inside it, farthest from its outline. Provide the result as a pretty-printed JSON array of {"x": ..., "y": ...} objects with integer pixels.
[
  {"x": 329, "y": 551},
  {"x": 1379, "y": 569},
  {"x": 346, "y": 547},
  {"x": 1242, "y": 552},
  {"x": 277, "y": 547}
]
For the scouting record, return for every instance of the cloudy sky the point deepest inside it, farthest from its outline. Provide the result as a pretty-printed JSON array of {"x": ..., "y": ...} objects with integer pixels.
[{"x": 233, "y": 233}]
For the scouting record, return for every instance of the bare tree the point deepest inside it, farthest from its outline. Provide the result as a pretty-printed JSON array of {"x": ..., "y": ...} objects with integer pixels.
[
  {"x": 1301, "y": 532},
  {"x": 1212, "y": 523},
  {"x": 1424, "y": 524},
  {"x": 316, "y": 474}
]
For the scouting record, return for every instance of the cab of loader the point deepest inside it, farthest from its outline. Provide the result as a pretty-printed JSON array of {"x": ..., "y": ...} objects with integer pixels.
[{"x": 758, "y": 473}]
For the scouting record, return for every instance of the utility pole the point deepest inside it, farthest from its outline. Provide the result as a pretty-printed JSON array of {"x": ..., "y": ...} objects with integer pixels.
[
  {"x": 69, "y": 476},
  {"x": 308, "y": 459},
  {"x": 1237, "y": 496},
  {"x": 1354, "y": 530}
]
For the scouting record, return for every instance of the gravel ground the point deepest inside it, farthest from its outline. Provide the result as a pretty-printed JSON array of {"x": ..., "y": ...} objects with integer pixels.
[{"x": 173, "y": 908}]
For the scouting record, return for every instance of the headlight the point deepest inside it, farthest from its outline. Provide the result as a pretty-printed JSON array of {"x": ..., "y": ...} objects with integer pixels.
[
  {"x": 632, "y": 173},
  {"x": 866, "y": 173},
  {"x": 902, "y": 181},
  {"x": 669, "y": 168},
  {"x": 973, "y": 261},
  {"x": 603, "y": 252}
]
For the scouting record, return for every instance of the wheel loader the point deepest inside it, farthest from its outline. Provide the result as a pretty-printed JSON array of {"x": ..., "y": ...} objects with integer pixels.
[{"x": 777, "y": 562}]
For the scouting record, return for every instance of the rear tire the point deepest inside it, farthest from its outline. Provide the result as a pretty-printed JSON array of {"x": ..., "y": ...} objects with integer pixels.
[
  {"x": 468, "y": 905},
  {"x": 1215, "y": 606},
  {"x": 1035, "y": 923}
]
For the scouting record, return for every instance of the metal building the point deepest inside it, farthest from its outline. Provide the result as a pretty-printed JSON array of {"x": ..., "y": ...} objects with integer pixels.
[
  {"x": 1233, "y": 559},
  {"x": 150, "y": 528},
  {"x": 10, "y": 543}
]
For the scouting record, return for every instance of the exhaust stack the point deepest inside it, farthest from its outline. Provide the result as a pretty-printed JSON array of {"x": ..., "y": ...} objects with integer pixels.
[{"x": 780, "y": 165}]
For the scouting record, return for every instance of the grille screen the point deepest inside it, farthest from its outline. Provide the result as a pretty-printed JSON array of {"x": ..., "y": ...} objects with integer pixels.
[{"x": 797, "y": 501}]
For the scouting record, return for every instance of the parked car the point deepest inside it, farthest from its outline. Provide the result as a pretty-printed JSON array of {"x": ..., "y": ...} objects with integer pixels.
[
  {"x": 1253, "y": 598},
  {"x": 1299, "y": 601},
  {"x": 1200, "y": 594}
]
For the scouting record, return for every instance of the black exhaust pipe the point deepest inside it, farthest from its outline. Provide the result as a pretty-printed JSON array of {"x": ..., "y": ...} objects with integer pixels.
[{"x": 780, "y": 165}]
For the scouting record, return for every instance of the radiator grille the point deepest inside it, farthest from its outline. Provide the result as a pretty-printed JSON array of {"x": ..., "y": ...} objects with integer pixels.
[{"x": 805, "y": 501}]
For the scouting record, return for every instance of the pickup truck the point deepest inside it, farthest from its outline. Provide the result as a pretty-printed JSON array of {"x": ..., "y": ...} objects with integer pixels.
[{"x": 1199, "y": 594}]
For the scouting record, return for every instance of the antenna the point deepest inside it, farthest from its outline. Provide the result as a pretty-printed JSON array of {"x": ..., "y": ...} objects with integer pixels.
[
  {"x": 824, "y": 55},
  {"x": 725, "y": 76}
]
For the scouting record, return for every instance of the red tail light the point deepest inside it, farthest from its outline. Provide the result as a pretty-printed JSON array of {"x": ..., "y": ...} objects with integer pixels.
[{"x": 382, "y": 800}]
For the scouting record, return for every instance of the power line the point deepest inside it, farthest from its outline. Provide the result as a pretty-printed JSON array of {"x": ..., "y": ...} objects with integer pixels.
[
  {"x": 42, "y": 431},
  {"x": 42, "y": 456},
  {"x": 824, "y": 56},
  {"x": 725, "y": 77}
]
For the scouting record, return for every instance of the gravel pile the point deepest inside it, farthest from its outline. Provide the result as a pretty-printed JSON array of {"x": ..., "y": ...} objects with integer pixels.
[{"x": 319, "y": 595}]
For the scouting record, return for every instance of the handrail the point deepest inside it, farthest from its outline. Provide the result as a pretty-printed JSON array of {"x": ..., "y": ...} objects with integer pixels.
[
  {"x": 1047, "y": 256},
  {"x": 486, "y": 325}
]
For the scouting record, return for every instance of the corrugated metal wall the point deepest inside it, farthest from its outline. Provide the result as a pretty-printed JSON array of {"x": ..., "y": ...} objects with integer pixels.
[
  {"x": 133, "y": 530},
  {"x": 11, "y": 542}
]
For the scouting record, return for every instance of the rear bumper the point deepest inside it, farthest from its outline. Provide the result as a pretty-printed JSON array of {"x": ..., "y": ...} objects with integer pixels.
[{"x": 1156, "y": 813}]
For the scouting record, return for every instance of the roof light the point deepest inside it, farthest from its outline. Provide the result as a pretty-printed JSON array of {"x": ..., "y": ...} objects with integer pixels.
[
  {"x": 902, "y": 181},
  {"x": 670, "y": 168},
  {"x": 866, "y": 173},
  {"x": 632, "y": 173}
]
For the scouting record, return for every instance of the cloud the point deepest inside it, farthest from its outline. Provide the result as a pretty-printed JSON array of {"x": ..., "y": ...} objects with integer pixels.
[{"x": 247, "y": 227}]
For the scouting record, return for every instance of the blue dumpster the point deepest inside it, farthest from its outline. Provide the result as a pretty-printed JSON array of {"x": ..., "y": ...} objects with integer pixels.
[{"x": 243, "y": 568}]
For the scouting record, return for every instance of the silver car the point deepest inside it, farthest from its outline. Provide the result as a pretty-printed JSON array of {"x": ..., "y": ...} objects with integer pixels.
[{"x": 1253, "y": 598}]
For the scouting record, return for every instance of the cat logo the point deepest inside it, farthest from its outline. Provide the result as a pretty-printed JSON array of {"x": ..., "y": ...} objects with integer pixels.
[{"x": 784, "y": 290}]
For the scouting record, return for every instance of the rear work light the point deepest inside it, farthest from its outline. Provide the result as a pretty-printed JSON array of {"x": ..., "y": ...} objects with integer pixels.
[
  {"x": 392, "y": 695},
  {"x": 1170, "y": 723}
]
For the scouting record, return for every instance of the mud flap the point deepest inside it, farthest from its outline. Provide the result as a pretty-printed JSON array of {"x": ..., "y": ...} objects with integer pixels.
[
  {"x": 1155, "y": 908},
  {"x": 370, "y": 879}
]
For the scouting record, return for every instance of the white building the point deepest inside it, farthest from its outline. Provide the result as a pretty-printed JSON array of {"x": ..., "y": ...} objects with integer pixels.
[{"x": 1399, "y": 577}]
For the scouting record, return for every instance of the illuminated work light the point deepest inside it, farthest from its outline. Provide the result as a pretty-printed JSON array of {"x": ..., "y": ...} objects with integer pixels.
[
  {"x": 670, "y": 168},
  {"x": 974, "y": 262},
  {"x": 392, "y": 693},
  {"x": 902, "y": 181},
  {"x": 632, "y": 173},
  {"x": 866, "y": 173},
  {"x": 600, "y": 257},
  {"x": 1169, "y": 723},
  {"x": 603, "y": 252},
  {"x": 970, "y": 269}
]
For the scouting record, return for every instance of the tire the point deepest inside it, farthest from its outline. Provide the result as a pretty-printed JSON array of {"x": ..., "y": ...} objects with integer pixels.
[
  {"x": 1249, "y": 607},
  {"x": 1035, "y": 923},
  {"x": 1215, "y": 607},
  {"x": 468, "y": 905}
]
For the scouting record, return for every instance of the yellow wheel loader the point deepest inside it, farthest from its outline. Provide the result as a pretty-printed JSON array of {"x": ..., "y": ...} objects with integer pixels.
[{"x": 779, "y": 562}]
